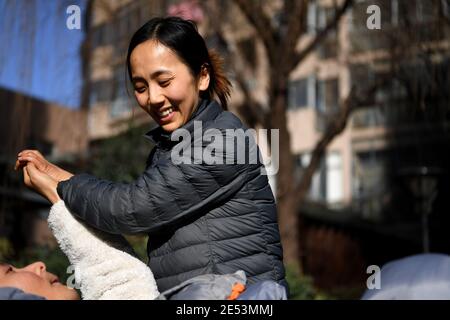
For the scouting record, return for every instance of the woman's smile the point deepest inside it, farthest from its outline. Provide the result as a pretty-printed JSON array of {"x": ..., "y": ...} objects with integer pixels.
[
  {"x": 165, "y": 115},
  {"x": 164, "y": 85}
]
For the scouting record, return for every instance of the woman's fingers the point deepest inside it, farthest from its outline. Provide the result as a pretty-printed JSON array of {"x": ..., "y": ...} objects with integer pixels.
[
  {"x": 26, "y": 177},
  {"x": 33, "y": 175},
  {"x": 42, "y": 183},
  {"x": 41, "y": 165},
  {"x": 31, "y": 170},
  {"x": 35, "y": 157},
  {"x": 34, "y": 153},
  {"x": 20, "y": 164}
]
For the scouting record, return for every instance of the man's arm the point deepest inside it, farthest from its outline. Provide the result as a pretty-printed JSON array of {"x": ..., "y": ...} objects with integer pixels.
[{"x": 104, "y": 264}]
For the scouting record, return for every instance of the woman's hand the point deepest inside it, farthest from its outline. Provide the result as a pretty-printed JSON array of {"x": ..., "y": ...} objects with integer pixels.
[
  {"x": 41, "y": 182},
  {"x": 35, "y": 157}
]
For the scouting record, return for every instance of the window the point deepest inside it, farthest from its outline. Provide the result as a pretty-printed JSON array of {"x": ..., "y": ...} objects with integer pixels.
[
  {"x": 327, "y": 96},
  {"x": 298, "y": 94},
  {"x": 101, "y": 91},
  {"x": 317, "y": 189},
  {"x": 119, "y": 82},
  {"x": 119, "y": 107},
  {"x": 328, "y": 181},
  {"x": 328, "y": 47},
  {"x": 311, "y": 19},
  {"x": 334, "y": 178},
  {"x": 120, "y": 103},
  {"x": 103, "y": 35}
]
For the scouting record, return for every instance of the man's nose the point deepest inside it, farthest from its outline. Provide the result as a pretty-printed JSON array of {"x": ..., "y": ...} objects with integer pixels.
[{"x": 38, "y": 268}]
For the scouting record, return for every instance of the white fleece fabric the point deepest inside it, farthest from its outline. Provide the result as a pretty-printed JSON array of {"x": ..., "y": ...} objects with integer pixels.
[{"x": 104, "y": 264}]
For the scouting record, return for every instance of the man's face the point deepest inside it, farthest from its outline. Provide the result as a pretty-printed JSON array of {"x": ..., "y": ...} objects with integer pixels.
[{"x": 36, "y": 280}]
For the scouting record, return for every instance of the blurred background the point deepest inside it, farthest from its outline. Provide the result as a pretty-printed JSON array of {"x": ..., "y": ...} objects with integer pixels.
[{"x": 358, "y": 89}]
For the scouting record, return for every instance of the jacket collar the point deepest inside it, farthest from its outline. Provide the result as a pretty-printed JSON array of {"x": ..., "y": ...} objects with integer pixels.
[{"x": 206, "y": 110}]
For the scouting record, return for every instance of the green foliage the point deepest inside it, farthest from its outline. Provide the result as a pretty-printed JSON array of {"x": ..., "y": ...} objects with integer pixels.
[
  {"x": 301, "y": 286},
  {"x": 6, "y": 249},
  {"x": 139, "y": 244},
  {"x": 121, "y": 158}
]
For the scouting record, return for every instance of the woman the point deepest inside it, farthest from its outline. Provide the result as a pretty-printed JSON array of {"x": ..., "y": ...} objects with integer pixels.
[{"x": 201, "y": 218}]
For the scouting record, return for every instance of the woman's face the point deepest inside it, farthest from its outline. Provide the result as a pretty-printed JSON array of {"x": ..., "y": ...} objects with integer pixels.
[
  {"x": 35, "y": 279},
  {"x": 163, "y": 84}
]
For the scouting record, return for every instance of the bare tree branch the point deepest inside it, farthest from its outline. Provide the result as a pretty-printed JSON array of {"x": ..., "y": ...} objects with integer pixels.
[
  {"x": 259, "y": 20},
  {"x": 354, "y": 101},
  {"x": 107, "y": 7},
  {"x": 297, "y": 13},
  {"x": 298, "y": 57},
  {"x": 251, "y": 110}
]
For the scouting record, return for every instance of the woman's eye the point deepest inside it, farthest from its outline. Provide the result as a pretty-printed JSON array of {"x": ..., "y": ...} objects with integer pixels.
[
  {"x": 140, "y": 90},
  {"x": 164, "y": 83}
]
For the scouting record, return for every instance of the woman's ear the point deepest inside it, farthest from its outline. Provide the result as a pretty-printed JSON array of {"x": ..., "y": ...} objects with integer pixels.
[{"x": 203, "y": 81}]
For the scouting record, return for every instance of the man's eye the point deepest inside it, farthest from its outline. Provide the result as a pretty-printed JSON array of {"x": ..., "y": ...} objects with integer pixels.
[{"x": 10, "y": 269}]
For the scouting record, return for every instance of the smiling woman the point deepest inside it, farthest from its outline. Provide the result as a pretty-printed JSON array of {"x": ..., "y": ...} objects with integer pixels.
[
  {"x": 201, "y": 218},
  {"x": 171, "y": 69},
  {"x": 164, "y": 86}
]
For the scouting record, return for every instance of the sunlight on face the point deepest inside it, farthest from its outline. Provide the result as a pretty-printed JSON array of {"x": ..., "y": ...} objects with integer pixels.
[
  {"x": 36, "y": 280},
  {"x": 163, "y": 85}
]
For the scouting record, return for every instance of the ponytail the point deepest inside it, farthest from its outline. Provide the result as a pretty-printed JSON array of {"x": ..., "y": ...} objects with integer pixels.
[{"x": 219, "y": 85}]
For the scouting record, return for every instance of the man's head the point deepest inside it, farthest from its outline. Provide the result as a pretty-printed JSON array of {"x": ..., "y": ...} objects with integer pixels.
[{"x": 35, "y": 279}]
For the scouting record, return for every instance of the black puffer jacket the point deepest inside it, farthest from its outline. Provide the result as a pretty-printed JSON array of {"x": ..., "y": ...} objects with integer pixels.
[{"x": 200, "y": 218}]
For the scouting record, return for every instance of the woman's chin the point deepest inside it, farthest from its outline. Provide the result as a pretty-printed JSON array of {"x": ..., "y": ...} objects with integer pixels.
[{"x": 169, "y": 127}]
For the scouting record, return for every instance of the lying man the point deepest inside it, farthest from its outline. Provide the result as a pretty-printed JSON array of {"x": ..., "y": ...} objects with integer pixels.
[
  {"x": 32, "y": 282},
  {"x": 105, "y": 267}
]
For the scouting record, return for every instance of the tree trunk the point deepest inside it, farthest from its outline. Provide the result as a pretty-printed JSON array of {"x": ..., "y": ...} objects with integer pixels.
[{"x": 286, "y": 198}]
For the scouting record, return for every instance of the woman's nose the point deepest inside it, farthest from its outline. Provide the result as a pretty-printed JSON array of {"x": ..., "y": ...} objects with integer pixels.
[
  {"x": 36, "y": 267},
  {"x": 155, "y": 97}
]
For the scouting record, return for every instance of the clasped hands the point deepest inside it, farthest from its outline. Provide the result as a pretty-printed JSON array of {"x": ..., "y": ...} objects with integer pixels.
[{"x": 40, "y": 174}]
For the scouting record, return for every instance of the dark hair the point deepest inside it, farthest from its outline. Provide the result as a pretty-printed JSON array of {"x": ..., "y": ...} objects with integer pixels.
[{"x": 183, "y": 38}]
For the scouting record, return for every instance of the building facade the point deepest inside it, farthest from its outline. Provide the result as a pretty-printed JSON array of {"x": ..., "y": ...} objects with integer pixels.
[
  {"x": 354, "y": 168},
  {"x": 59, "y": 133}
]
